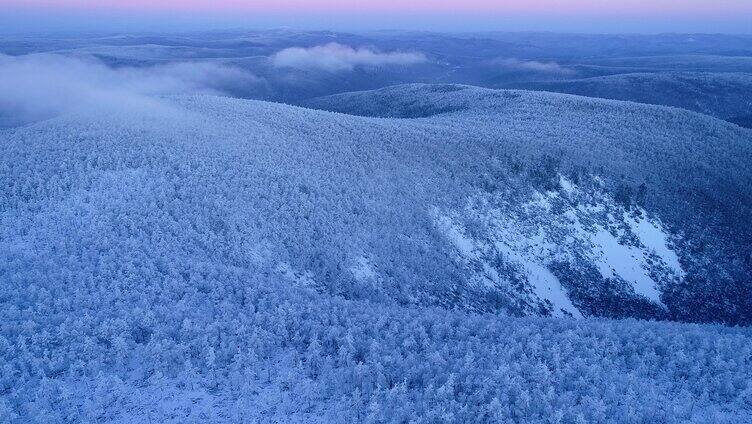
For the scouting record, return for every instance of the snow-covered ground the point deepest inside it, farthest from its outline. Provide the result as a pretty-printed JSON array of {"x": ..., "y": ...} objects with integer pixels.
[
  {"x": 223, "y": 257},
  {"x": 568, "y": 225}
]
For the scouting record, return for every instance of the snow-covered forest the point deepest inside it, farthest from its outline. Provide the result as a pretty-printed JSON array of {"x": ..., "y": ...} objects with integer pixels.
[{"x": 178, "y": 246}]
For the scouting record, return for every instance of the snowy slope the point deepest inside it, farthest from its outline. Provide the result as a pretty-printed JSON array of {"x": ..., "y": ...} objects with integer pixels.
[
  {"x": 203, "y": 258},
  {"x": 534, "y": 237},
  {"x": 362, "y": 207},
  {"x": 722, "y": 95},
  {"x": 682, "y": 168}
]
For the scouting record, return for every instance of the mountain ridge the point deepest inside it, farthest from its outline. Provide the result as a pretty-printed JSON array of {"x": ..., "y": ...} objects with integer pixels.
[
  {"x": 362, "y": 173},
  {"x": 198, "y": 258}
]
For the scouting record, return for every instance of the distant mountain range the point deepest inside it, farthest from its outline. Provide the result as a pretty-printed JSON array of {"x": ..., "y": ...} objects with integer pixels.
[{"x": 723, "y": 95}]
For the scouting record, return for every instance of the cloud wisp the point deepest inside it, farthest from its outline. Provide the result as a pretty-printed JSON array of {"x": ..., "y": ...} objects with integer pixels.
[
  {"x": 534, "y": 66},
  {"x": 334, "y": 57},
  {"x": 41, "y": 86}
]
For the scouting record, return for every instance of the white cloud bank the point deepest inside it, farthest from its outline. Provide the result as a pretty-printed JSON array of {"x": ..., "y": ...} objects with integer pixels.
[
  {"x": 337, "y": 57},
  {"x": 534, "y": 66},
  {"x": 35, "y": 87}
]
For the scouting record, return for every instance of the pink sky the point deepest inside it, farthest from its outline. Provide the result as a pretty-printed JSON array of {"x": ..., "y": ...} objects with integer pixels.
[
  {"x": 611, "y": 7},
  {"x": 603, "y": 16}
]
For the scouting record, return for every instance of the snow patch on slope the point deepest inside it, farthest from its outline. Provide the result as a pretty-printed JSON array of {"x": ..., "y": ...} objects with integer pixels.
[
  {"x": 363, "y": 270},
  {"x": 456, "y": 235},
  {"x": 654, "y": 237},
  {"x": 299, "y": 279},
  {"x": 581, "y": 227},
  {"x": 633, "y": 263},
  {"x": 544, "y": 284},
  {"x": 615, "y": 260}
]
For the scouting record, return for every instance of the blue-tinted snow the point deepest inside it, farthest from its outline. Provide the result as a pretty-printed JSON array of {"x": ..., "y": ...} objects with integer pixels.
[{"x": 204, "y": 258}]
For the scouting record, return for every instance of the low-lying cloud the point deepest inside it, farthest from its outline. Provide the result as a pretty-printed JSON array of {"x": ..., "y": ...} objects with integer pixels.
[
  {"x": 337, "y": 57},
  {"x": 534, "y": 66},
  {"x": 35, "y": 87}
]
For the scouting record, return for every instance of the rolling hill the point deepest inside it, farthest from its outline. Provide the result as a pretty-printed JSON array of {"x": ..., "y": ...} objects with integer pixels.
[
  {"x": 722, "y": 95},
  {"x": 320, "y": 265}
]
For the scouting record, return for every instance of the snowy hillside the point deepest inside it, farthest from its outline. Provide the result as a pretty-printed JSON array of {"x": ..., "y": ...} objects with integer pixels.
[
  {"x": 685, "y": 170},
  {"x": 254, "y": 260},
  {"x": 550, "y": 242},
  {"x": 464, "y": 209},
  {"x": 723, "y": 95}
]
